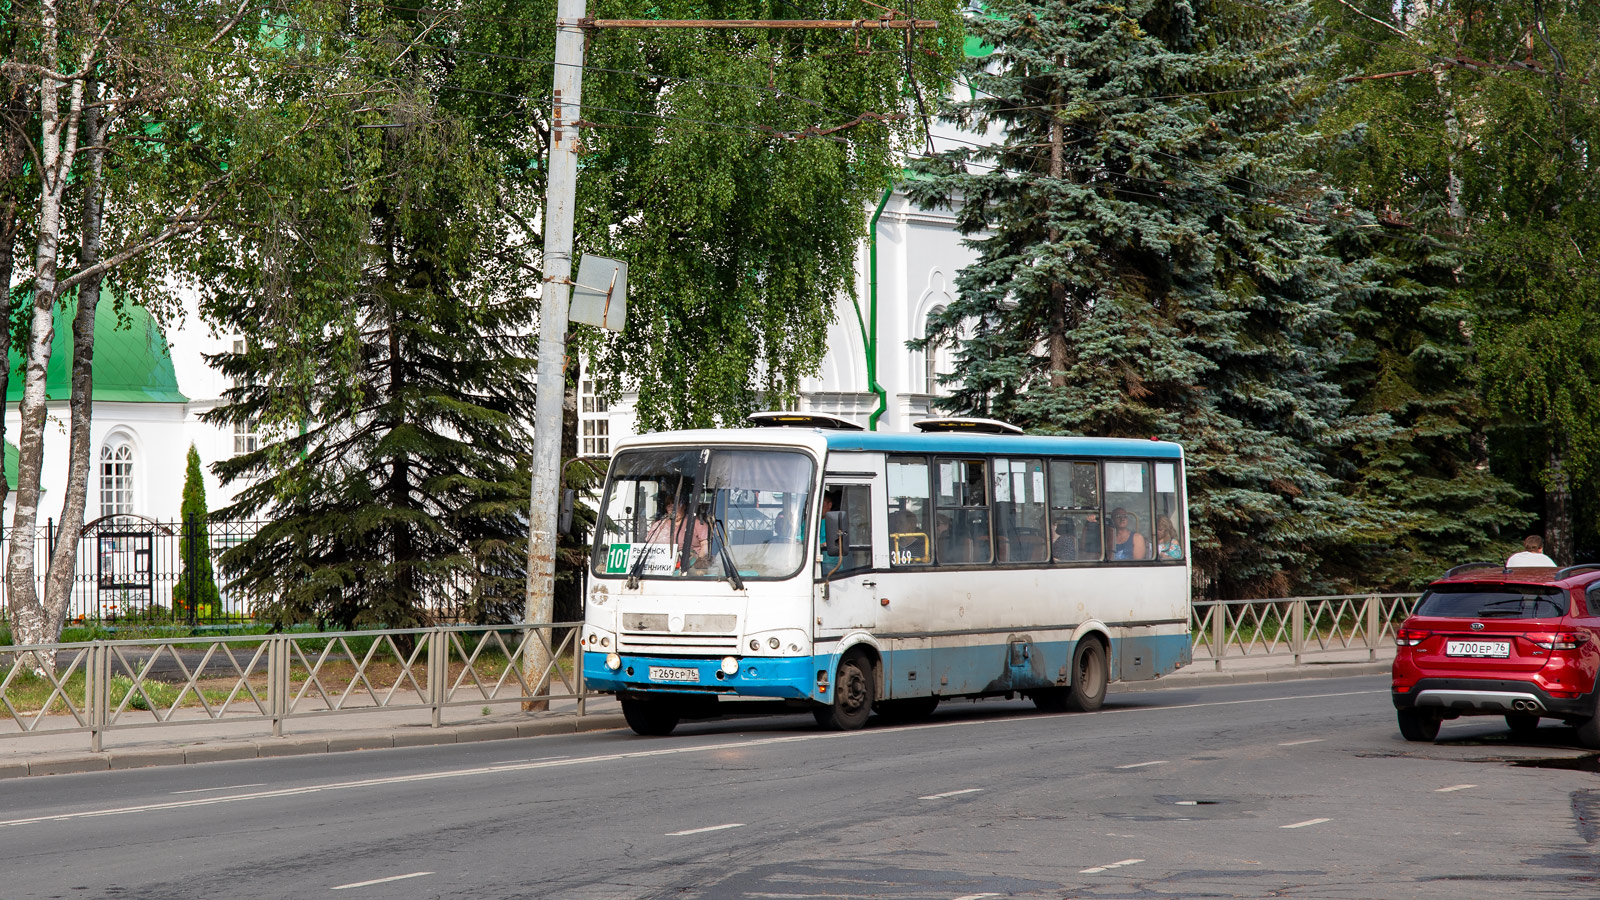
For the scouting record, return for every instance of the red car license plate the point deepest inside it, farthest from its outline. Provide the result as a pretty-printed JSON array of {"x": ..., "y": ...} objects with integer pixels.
[{"x": 1500, "y": 649}]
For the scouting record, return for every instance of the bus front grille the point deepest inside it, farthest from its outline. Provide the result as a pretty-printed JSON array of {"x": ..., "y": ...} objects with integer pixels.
[{"x": 646, "y": 642}]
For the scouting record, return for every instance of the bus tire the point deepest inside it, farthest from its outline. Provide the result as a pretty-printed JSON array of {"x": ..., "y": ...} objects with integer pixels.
[
  {"x": 854, "y": 691},
  {"x": 1090, "y": 674},
  {"x": 652, "y": 718}
]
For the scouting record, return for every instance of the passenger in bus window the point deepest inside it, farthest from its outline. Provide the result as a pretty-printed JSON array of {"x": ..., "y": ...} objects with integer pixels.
[
  {"x": 1065, "y": 546},
  {"x": 1126, "y": 541},
  {"x": 1167, "y": 546}
]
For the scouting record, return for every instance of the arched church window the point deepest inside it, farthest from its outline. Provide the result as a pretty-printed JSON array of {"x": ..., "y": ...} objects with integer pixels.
[
  {"x": 930, "y": 355},
  {"x": 116, "y": 479}
]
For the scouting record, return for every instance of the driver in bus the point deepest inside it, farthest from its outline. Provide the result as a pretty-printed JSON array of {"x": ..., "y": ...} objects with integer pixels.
[{"x": 671, "y": 527}]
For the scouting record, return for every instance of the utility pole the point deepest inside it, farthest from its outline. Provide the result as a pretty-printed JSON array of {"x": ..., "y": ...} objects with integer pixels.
[
  {"x": 560, "y": 196},
  {"x": 572, "y": 28}
]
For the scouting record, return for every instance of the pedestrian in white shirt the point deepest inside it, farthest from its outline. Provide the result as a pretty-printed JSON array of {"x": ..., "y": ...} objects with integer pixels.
[{"x": 1532, "y": 555}]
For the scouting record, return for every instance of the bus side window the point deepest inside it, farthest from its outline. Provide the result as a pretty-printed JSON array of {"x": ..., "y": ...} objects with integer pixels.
[
  {"x": 961, "y": 512},
  {"x": 910, "y": 531},
  {"x": 1130, "y": 533},
  {"x": 852, "y": 504},
  {"x": 1019, "y": 511},
  {"x": 1076, "y": 532},
  {"x": 1169, "y": 519}
]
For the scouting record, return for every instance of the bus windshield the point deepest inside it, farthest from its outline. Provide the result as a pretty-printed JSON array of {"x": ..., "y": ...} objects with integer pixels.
[{"x": 690, "y": 512}]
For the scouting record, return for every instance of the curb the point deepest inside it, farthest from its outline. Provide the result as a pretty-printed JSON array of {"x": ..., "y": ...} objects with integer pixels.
[
  {"x": 74, "y": 763},
  {"x": 1212, "y": 679}
]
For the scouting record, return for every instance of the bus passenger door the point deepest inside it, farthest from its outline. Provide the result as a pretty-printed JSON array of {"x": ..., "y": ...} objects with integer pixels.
[{"x": 847, "y": 597}]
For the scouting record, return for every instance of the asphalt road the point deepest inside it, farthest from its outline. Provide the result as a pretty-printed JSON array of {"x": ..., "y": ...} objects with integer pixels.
[{"x": 1301, "y": 789}]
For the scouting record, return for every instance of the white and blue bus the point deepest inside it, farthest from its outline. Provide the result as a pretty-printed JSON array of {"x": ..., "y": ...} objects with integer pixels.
[{"x": 849, "y": 572}]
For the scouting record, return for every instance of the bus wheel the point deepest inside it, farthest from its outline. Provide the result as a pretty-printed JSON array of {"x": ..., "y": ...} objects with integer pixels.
[
  {"x": 853, "y": 692},
  {"x": 1089, "y": 677},
  {"x": 650, "y": 717}
]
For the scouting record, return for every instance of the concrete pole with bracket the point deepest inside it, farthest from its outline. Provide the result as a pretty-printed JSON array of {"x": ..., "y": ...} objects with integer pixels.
[{"x": 560, "y": 198}]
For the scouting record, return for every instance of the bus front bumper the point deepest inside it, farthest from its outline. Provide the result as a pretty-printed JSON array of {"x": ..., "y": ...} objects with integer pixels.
[{"x": 758, "y": 676}]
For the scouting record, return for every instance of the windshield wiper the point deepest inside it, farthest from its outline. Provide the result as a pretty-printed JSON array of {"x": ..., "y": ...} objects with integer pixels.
[
  {"x": 727, "y": 558},
  {"x": 637, "y": 568}
]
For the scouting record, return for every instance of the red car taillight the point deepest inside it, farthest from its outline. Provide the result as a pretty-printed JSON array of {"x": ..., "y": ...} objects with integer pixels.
[
  {"x": 1410, "y": 637},
  {"x": 1559, "y": 640}
]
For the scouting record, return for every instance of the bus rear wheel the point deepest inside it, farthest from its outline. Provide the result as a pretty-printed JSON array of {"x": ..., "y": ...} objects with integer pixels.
[
  {"x": 853, "y": 694},
  {"x": 1090, "y": 675},
  {"x": 653, "y": 718}
]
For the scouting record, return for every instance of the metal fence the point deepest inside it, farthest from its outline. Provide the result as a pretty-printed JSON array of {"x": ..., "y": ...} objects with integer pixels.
[
  {"x": 100, "y": 686},
  {"x": 1223, "y": 630},
  {"x": 127, "y": 568}
]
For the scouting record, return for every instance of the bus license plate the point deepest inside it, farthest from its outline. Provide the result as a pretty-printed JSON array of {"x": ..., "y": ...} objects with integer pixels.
[
  {"x": 1501, "y": 649},
  {"x": 670, "y": 673}
]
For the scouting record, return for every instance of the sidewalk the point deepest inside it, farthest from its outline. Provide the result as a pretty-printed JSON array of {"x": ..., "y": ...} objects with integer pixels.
[{"x": 58, "y": 753}]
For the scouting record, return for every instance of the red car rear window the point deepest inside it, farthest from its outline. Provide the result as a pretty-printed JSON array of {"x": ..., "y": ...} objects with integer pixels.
[{"x": 1499, "y": 601}]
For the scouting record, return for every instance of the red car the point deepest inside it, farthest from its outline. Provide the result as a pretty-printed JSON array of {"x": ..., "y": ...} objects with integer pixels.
[{"x": 1490, "y": 641}]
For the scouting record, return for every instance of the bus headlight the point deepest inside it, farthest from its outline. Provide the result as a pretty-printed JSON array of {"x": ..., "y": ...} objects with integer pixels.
[
  {"x": 730, "y": 666},
  {"x": 773, "y": 642},
  {"x": 613, "y": 661},
  {"x": 755, "y": 644}
]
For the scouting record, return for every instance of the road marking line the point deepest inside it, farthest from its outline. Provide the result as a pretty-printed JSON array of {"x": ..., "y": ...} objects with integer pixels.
[
  {"x": 950, "y": 794},
  {"x": 705, "y": 829},
  {"x": 380, "y": 881},
  {"x": 637, "y": 754},
  {"x": 975, "y": 896},
  {"x": 1105, "y": 868},
  {"x": 1305, "y": 823},
  {"x": 226, "y": 787},
  {"x": 518, "y": 762},
  {"x": 1153, "y": 762},
  {"x": 1454, "y": 787},
  {"x": 1298, "y": 743}
]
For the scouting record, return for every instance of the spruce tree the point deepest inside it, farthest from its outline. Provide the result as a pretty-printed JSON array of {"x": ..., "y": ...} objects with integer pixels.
[
  {"x": 1154, "y": 261},
  {"x": 387, "y": 366},
  {"x": 194, "y": 549}
]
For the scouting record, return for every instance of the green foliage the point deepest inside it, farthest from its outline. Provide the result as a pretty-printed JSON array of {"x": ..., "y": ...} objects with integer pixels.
[
  {"x": 194, "y": 549},
  {"x": 1154, "y": 260},
  {"x": 387, "y": 367},
  {"x": 1483, "y": 175},
  {"x": 740, "y": 222}
]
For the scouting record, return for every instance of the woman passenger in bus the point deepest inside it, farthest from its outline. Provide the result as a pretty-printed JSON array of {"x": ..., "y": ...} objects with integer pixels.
[
  {"x": 1167, "y": 546},
  {"x": 1065, "y": 546},
  {"x": 1126, "y": 541}
]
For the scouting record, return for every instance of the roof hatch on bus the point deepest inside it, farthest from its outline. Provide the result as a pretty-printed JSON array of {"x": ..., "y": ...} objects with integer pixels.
[
  {"x": 962, "y": 425},
  {"x": 790, "y": 419}
]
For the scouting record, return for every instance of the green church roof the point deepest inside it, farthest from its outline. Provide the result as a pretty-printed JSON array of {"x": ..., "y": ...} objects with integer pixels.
[
  {"x": 131, "y": 359},
  {"x": 11, "y": 466}
]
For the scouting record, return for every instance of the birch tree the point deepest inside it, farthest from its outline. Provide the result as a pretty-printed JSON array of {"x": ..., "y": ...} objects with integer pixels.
[{"x": 107, "y": 78}]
